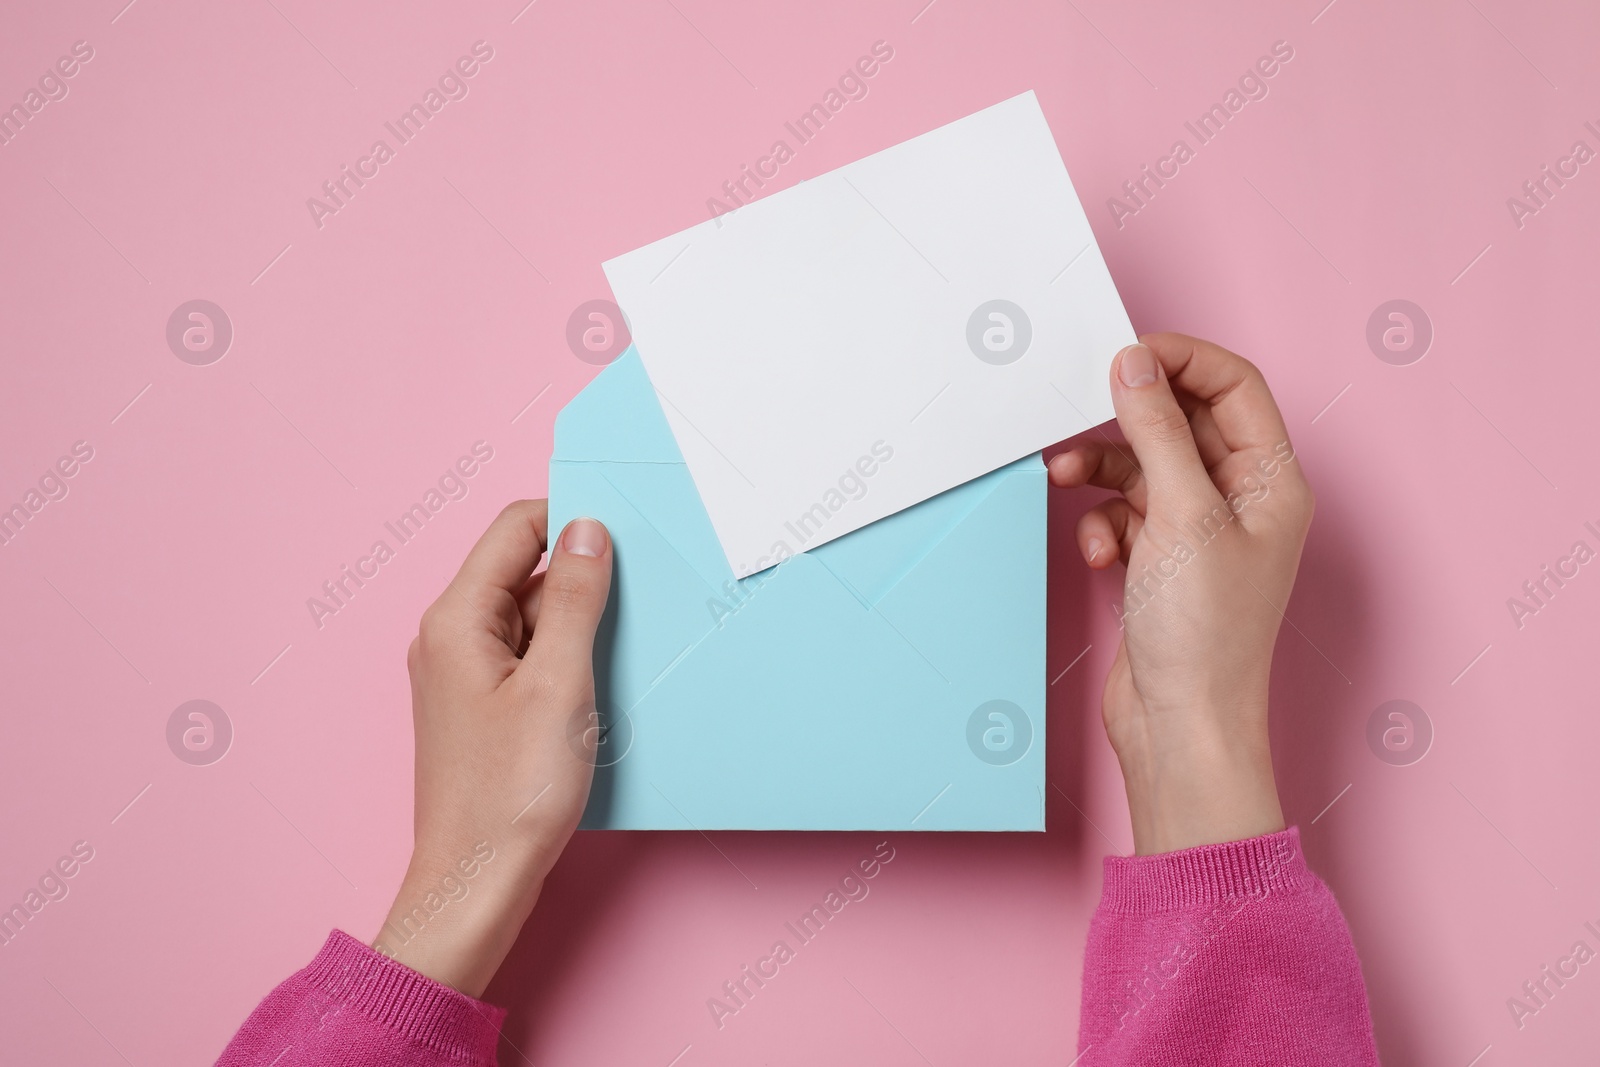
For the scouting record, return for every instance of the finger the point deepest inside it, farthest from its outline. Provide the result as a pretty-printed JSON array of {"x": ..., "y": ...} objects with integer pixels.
[
  {"x": 1157, "y": 428},
  {"x": 571, "y": 600},
  {"x": 1106, "y": 533},
  {"x": 480, "y": 599},
  {"x": 1231, "y": 386},
  {"x": 1101, "y": 464},
  {"x": 508, "y": 551}
]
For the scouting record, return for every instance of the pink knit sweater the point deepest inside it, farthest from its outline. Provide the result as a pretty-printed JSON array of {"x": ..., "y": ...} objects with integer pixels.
[{"x": 1225, "y": 954}]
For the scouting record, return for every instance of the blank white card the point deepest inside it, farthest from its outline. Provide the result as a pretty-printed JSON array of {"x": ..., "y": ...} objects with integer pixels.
[{"x": 839, "y": 351}]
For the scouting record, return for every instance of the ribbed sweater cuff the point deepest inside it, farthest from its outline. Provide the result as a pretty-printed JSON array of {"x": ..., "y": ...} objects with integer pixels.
[
  {"x": 433, "y": 1015},
  {"x": 1207, "y": 875}
]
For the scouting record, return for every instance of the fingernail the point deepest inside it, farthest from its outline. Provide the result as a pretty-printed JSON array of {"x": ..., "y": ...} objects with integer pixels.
[
  {"x": 1136, "y": 366},
  {"x": 1095, "y": 545},
  {"x": 584, "y": 537}
]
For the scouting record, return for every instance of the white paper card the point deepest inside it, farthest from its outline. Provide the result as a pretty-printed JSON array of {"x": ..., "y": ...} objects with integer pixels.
[{"x": 841, "y": 350}]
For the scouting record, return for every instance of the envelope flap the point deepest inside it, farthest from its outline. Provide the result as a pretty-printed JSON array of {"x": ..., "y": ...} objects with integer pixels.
[
  {"x": 1002, "y": 542},
  {"x": 872, "y": 566},
  {"x": 616, "y": 419}
]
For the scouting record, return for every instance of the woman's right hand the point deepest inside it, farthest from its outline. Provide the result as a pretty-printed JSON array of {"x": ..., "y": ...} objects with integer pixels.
[
  {"x": 1210, "y": 522},
  {"x": 503, "y": 706}
]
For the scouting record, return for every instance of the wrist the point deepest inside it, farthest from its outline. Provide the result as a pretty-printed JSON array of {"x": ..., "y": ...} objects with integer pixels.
[
  {"x": 1201, "y": 778},
  {"x": 454, "y": 920}
]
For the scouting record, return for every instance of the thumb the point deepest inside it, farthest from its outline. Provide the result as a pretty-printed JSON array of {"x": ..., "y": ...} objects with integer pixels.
[
  {"x": 574, "y": 596},
  {"x": 1157, "y": 428}
]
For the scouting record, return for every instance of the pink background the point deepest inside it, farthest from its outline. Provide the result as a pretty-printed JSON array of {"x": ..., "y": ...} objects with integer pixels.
[{"x": 416, "y": 321}]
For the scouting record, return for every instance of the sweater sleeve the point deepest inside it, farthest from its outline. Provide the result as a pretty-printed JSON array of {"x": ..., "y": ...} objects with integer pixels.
[
  {"x": 1224, "y": 954},
  {"x": 355, "y": 1007}
]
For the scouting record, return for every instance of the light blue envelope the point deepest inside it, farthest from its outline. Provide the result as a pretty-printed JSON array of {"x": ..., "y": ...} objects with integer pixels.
[{"x": 892, "y": 679}]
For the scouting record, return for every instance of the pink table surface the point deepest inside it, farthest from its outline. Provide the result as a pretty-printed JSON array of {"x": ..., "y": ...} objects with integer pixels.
[{"x": 429, "y": 313}]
